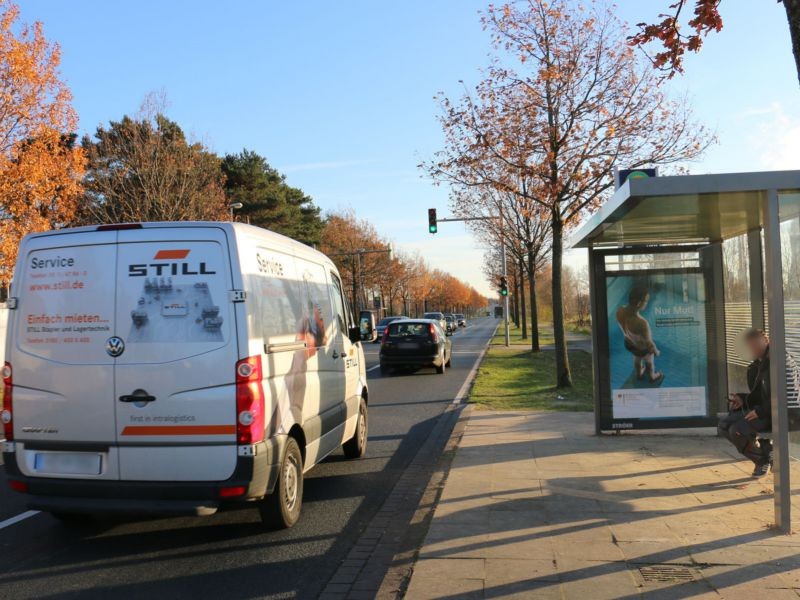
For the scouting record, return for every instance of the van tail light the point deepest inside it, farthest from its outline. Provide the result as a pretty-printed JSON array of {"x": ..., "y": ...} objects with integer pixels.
[
  {"x": 18, "y": 486},
  {"x": 250, "y": 402},
  {"x": 232, "y": 492},
  {"x": 6, "y": 416},
  {"x": 434, "y": 336}
]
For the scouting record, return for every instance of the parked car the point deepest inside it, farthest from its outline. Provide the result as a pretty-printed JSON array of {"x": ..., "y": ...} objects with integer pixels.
[
  {"x": 381, "y": 327},
  {"x": 436, "y": 316},
  {"x": 185, "y": 366},
  {"x": 415, "y": 343},
  {"x": 461, "y": 320},
  {"x": 450, "y": 324}
]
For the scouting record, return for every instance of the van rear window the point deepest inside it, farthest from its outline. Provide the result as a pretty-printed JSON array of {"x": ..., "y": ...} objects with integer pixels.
[
  {"x": 409, "y": 330},
  {"x": 67, "y": 308}
]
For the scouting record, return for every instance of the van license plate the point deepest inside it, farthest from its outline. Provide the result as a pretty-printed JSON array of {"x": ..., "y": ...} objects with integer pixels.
[{"x": 68, "y": 463}]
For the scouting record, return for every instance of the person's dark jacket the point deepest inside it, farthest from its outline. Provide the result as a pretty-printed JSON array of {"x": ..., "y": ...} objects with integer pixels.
[{"x": 758, "y": 398}]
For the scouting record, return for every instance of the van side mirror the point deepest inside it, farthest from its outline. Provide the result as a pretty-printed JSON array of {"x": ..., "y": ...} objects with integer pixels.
[
  {"x": 354, "y": 333},
  {"x": 367, "y": 326}
]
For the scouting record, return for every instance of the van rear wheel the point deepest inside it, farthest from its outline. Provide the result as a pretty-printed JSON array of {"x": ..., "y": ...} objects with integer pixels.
[
  {"x": 281, "y": 509},
  {"x": 356, "y": 447}
]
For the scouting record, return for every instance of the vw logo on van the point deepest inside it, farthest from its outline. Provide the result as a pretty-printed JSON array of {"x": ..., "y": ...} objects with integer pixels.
[{"x": 115, "y": 346}]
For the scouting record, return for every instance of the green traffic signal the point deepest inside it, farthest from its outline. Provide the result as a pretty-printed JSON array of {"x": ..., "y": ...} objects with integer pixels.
[
  {"x": 433, "y": 227},
  {"x": 503, "y": 286}
]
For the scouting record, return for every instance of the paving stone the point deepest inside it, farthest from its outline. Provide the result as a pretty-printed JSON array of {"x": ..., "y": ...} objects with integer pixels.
[
  {"x": 598, "y": 580},
  {"x": 532, "y": 571},
  {"x": 650, "y": 551},
  {"x": 527, "y": 489},
  {"x": 751, "y": 582},
  {"x": 458, "y": 568},
  {"x": 434, "y": 588}
]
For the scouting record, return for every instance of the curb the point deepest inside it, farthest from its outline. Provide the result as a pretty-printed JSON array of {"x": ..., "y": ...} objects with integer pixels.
[
  {"x": 397, "y": 578},
  {"x": 399, "y": 575},
  {"x": 380, "y": 563}
]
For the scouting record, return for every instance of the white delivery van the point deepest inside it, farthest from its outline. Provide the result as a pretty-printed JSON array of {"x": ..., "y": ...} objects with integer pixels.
[
  {"x": 3, "y": 322},
  {"x": 172, "y": 367}
]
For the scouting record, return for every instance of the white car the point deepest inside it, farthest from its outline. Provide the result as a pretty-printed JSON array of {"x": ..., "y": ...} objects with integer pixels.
[
  {"x": 436, "y": 316},
  {"x": 174, "y": 367}
]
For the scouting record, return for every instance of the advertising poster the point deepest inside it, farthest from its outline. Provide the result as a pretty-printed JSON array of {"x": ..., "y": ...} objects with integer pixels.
[
  {"x": 66, "y": 315},
  {"x": 657, "y": 345}
]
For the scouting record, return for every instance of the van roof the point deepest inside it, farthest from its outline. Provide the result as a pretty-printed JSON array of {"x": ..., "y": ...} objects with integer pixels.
[{"x": 242, "y": 228}]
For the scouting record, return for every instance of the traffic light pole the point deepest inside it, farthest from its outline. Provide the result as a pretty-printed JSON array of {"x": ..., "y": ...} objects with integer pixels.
[
  {"x": 505, "y": 298},
  {"x": 433, "y": 227}
]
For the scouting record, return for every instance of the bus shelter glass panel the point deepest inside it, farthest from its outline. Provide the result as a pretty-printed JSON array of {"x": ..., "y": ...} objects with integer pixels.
[
  {"x": 737, "y": 266},
  {"x": 790, "y": 259},
  {"x": 656, "y": 345},
  {"x": 789, "y": 208}
]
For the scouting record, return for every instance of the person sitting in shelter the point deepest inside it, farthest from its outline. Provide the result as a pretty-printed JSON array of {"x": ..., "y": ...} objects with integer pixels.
[
  {"x": 638, "y": 336},
  {"x": 750, "y": 413}
]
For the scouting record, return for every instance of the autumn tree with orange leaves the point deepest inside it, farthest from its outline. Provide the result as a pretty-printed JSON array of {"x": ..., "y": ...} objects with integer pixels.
[
  {"x": 564, "y": 100},
  {"x": 705, "y": 18},
  {"x": 40, "y": 164}
]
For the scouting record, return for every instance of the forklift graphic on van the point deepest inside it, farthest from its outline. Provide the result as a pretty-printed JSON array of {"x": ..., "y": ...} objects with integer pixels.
[{"x": 166, "y": 312}]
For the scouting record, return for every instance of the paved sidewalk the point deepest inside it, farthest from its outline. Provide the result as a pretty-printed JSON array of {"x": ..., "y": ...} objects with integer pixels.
[{"x": 537, "y": 506}]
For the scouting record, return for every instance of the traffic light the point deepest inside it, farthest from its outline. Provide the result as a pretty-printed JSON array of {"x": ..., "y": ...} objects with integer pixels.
[
  {"x": 432, "y": 226},
  {"x": 503, "y": 286}
]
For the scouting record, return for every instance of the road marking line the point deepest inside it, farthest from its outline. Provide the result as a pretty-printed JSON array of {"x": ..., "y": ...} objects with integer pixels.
[
  {"x": 373, "y": 368},
  {"x": 20, "y": 517}
]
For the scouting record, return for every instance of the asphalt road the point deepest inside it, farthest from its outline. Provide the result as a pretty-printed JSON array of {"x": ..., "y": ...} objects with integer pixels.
[{"x": 230, "y": 554}]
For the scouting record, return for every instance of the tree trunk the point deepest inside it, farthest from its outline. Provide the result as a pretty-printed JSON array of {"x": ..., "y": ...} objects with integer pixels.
[
  {"x": 793, "y": 16},
  {"x": 522, "y": 300},
  {"x": 533, "y": 303},
  {"x": 515, "y": 301},
  {"x": 563, "y": 375}
]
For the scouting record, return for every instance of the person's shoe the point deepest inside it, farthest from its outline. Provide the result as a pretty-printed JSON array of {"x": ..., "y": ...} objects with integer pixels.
[{"x": 762, "y": 468}]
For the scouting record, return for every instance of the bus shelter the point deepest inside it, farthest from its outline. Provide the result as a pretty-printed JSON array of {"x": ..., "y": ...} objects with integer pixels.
[{"x": 700, "y": 259}]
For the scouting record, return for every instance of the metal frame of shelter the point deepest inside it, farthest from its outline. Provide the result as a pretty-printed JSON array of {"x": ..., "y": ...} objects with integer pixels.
[{"x": 693, "y": 216}]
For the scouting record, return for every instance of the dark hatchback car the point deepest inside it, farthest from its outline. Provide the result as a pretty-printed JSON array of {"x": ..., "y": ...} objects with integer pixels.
[
  {"x": 383, "y": 323},
  {"x": 415, "y": 343}
]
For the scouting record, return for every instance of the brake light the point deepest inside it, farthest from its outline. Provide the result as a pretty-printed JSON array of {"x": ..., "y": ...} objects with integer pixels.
[
  {"x": 250, "y": 402},
  {"x": 6, "y": 416},
  {"x": 434, "y": 335},
  {"x": 119, "y": 226},
  {"x": 385, "y": 336}
]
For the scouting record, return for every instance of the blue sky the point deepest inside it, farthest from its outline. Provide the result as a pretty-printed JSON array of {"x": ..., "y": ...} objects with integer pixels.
[{"x": 339, "y": 95}]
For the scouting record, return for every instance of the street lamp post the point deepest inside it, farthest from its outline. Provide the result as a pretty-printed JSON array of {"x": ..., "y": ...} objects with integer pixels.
[
  {"x": 234, "y": 206},
  {"x": 359, "y": 296}
]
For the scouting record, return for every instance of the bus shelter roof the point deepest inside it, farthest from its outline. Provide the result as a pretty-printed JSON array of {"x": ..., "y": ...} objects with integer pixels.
[{"x": 687, "y": 209}]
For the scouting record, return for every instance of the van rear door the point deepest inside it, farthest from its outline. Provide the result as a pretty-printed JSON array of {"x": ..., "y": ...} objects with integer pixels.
[
  {"x": 64, "y": 416},
  {"x": 175, "y": 382}
]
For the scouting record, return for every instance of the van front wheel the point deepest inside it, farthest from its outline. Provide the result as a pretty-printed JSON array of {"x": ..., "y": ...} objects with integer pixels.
[
  {"x": 356, "y": 447},
  {"x": 281, "y": 509}
]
